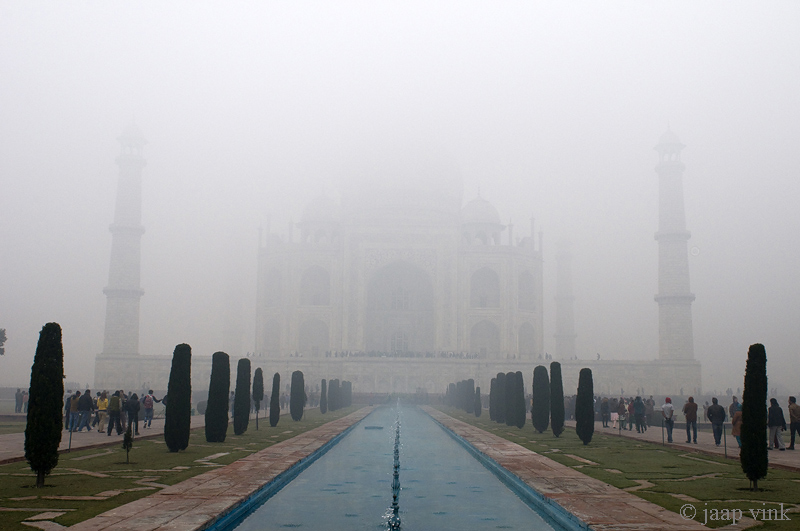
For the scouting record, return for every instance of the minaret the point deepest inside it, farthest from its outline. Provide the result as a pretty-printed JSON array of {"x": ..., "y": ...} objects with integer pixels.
[
  {"x": 123, "y": 291},
  {"x": 565, "y": 315},
  {"x": 675, "y": 337}
]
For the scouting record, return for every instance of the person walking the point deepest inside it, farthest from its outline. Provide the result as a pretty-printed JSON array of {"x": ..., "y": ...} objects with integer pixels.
[
  {"x": 622, "y": 410},
  {"x": 736, "y": 424},
  {"x": 604, "y": 411},
  {"x": 794, "y": 420},
  {"x": 716, "y": 415},
  {"x": 85, "y": 408},
  {"x": 148, "y": 403},
  {"x": 74, "y": 415},
  {"x": 732, "y": 407},
  {"x": 133, "y": 407},
  {"x": 668, "y": 412},
  {"x": 690, "y": 412},
  {"x": 777, "y": 423},
  {"x": 639, "y": 412},
  {"x": 114, "y": 407},
  {"x": 102, "y": 411}
]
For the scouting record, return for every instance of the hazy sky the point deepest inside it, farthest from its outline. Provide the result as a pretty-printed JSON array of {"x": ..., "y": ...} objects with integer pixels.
[{"x": 550, "y": 109}]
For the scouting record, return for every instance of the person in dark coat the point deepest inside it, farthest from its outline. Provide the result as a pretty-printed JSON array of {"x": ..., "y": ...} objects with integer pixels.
[
  {"x": 690, "y": 412},
  {"x": 133, "y": 405},
  {"x": 777, "y": 424},
  {"x": 639, "y": 412},
  {"x": 716, "y": 415}
]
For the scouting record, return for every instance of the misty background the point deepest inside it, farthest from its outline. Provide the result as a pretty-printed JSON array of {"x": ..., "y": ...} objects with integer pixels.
[{"x": 252, "y": 110}]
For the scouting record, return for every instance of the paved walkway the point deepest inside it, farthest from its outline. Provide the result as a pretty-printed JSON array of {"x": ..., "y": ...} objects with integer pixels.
[
  {"x": 199, "y": 501},
  {"x": 596, "y": 503},
  {"x": 788, "y": 460},
  {"x": 12, "y": 445}
]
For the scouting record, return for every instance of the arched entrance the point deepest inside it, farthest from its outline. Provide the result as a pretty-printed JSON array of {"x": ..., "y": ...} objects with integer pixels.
[{"x": 400, "y": 310}]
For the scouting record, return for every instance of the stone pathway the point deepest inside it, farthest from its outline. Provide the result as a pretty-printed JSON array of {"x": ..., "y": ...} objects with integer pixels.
[
  {"x": 787, "y": 460},
  {"x": 596, "y": 503},
  {"x": 12, "y": 445}
]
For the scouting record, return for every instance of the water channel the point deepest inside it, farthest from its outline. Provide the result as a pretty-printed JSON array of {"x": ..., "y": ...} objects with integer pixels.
[{"x": 443, "y": 487}]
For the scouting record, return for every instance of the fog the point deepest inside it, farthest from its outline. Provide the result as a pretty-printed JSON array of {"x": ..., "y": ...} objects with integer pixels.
[{"x": 549, "y": 110}]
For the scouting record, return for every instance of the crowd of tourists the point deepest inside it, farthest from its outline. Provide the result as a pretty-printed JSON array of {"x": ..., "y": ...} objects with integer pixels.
[
  {"x": 119, "y": 410},
  {"x": 624, "y": 414}
]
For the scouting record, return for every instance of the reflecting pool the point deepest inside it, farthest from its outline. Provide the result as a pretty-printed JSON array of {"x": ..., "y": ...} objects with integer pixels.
[{"x": 443, "y": 487}]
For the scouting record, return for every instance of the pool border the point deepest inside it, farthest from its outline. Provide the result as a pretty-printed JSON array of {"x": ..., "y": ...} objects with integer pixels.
[
  {"x": 232, "y": 518},
  {"x": 548, "y": 508}
]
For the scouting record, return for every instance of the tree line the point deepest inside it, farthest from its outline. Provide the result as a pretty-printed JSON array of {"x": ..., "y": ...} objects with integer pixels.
[{"x": 506, "y": 402}]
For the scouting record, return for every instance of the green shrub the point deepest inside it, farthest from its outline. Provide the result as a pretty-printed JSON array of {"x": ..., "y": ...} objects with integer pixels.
[
  {"x": 753, "y": 455},
  {"x": 297, "y": 396},
  {"x": 43, "y": 429},
  {"x": 216, "y": 414},
  {"x": 584, "y": 407},
  {"x": 540, "y": 408},
  {"x": 178, "y": 415},
  {"x": 258, "y": 391},
  {"x": 556, "y": 399},
  {"x": 241, "y": 404},
  {"x": 275, "y": 401},
  {"x": 323, "y": 397}
]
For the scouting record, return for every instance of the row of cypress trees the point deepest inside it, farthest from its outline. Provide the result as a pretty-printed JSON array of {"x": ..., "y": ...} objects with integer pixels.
[
  {"x": 507, "y": 399},
  {"x": 216, "y": 414},
  {"x": 44, "y": 422},
  {"x": 547, "y": 406},
  {"x": 464, "y": 395},
  {"x": 335, "y": 395}
]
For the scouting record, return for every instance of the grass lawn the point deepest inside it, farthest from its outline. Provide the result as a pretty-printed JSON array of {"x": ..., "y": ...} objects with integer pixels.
[
  {"x": 103, "y": 481},
  {"x": 667, "y": 477},
  {"x": 11, "y": 426}
]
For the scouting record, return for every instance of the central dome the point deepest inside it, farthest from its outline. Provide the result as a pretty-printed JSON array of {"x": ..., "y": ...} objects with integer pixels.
[{"x": 480, "y": 211}]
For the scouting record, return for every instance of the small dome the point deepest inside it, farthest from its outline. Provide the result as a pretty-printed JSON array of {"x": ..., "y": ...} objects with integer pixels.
[
  {"x": 322, "y": 209},
  {"x": 479, "y": 210},
  {"x": 669, "y": 138}
]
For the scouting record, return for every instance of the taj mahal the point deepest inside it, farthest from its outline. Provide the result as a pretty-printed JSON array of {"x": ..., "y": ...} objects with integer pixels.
[{"x": 398, "y": 285}]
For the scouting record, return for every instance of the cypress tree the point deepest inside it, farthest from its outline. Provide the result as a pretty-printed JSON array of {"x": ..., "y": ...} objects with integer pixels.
[
  {"x": 297, "y": 396},
  {"x": 451, "y": 395},
  {"x": 753, "y": 454},
  {"x": 500, "y": 411},
  {"x": 469, "y": 396},
  {"x": 492, "y": 398},
  {"x": 509, "y": 401},
  {"x": 217, "y": 406},
  {"x": 241, "y": 404},
  {"x": 323, "y": 397},
  {"x": 275, "y": 401},
  {"x": 178, "y": 416},
  {"x": 584, "y": 407},
  {"x": 556, "y": 399},
  {"x": 334, "y": 395},
  {"x": 45, "y": 404},
  {"x": 347, "y": 393},
  {"x": 258, "y": 391},
  {"x": 477, "y": 407},
  {"x": 519, "y": 400},
  {"x": 540, "y": 409}
]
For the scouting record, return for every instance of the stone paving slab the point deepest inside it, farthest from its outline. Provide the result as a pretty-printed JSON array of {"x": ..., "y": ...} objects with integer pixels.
[
  {"x": 594, "y": 502},
  {"x": 199, "y": 501}
]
